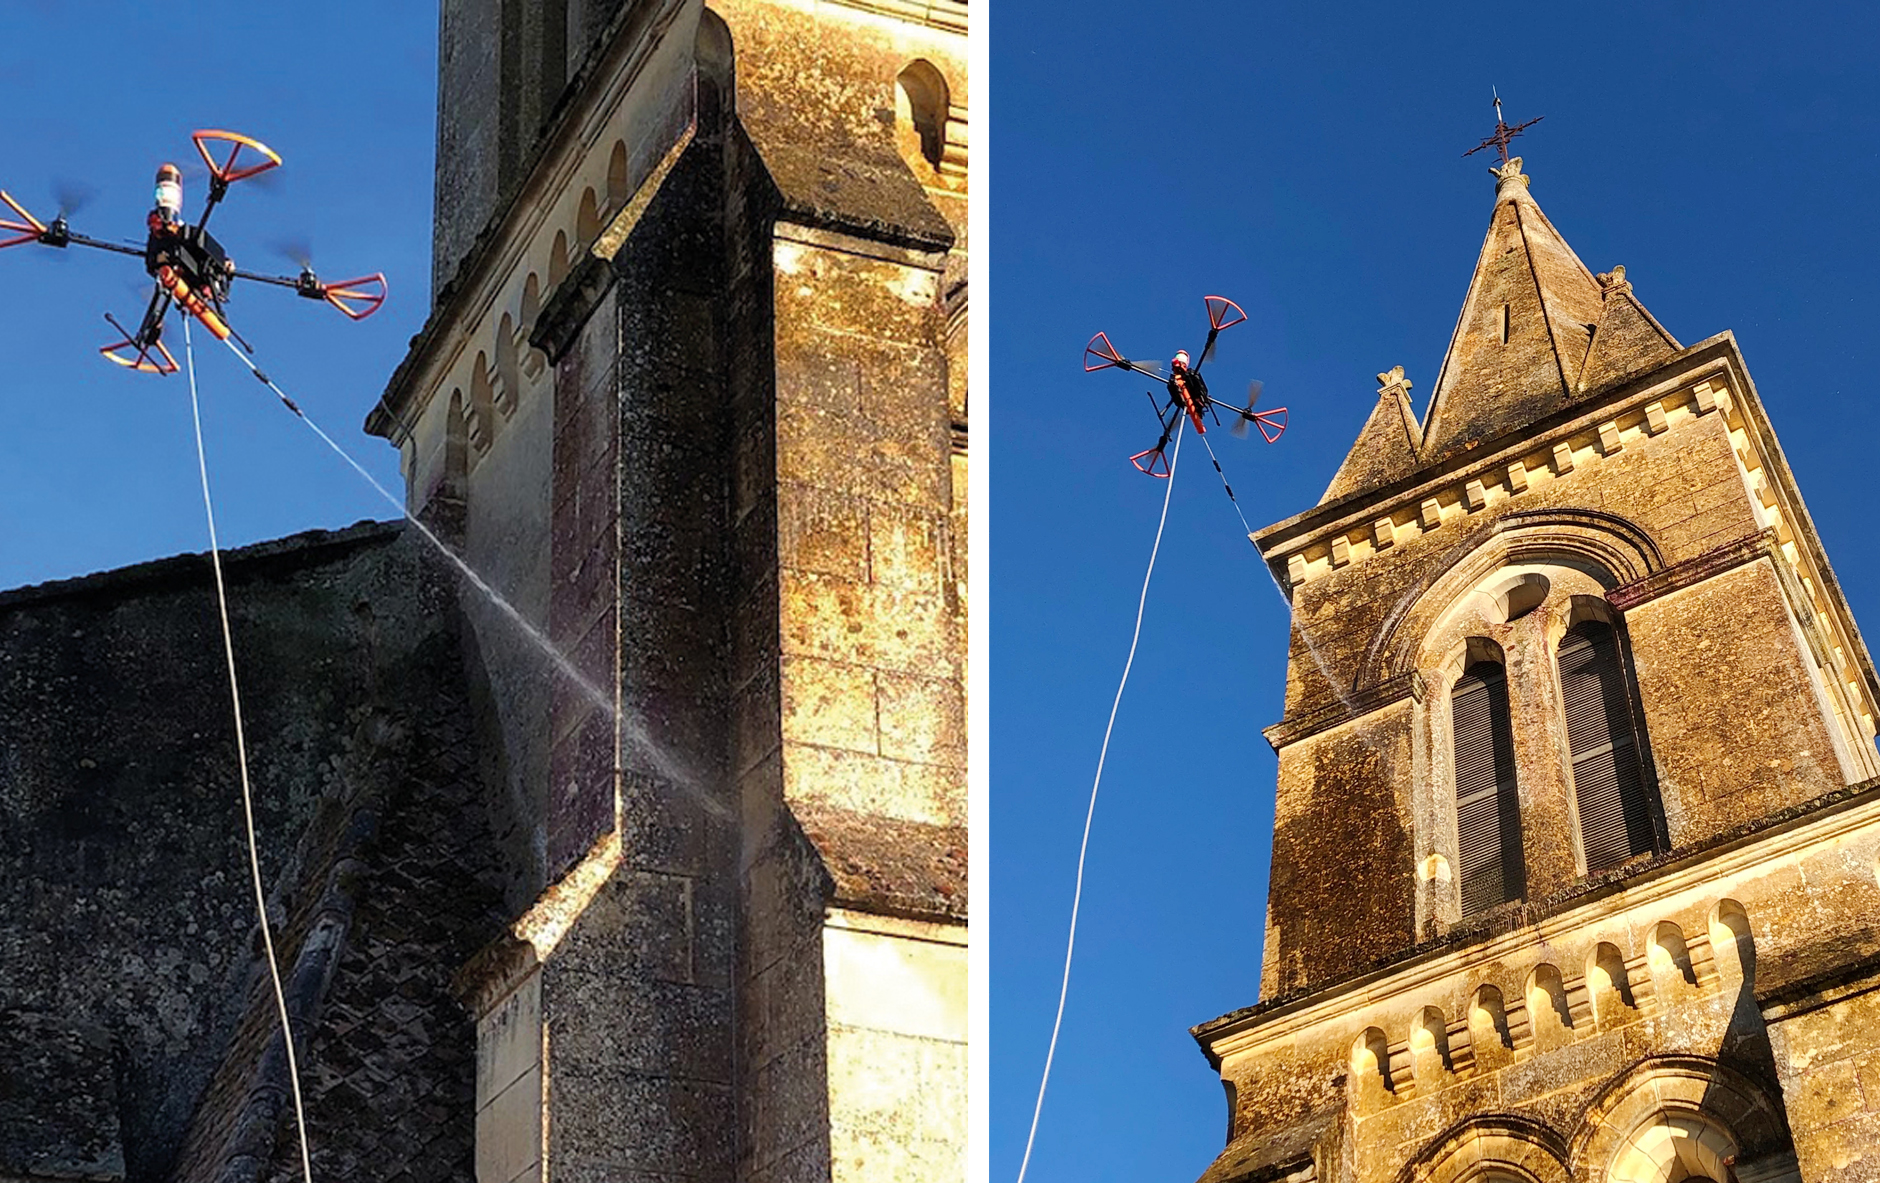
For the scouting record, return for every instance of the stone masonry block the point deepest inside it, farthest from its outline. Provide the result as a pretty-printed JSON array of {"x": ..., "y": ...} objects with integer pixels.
[
  {"x": 1341, "y": 551},
  {"x": 823, "y": 532},
  {"x": 1517, "y": 477},
  {"x": 833, "y": 291},
  {"x": 1474, "y": 496},
  {"x": 921, "y": 719},
  {"x": 868, "y": 624},
  {"x": 897, "y": 986},
  {"x": 1295, "y": 569},
  {"x": 1704, "y": 398},
  {"x": 907, "y": 546},
  {"x": 509, "y": 1040},
  {"x": 1609, "y": 437},
  {"x": 1828, "y": 1093},
  {"x": 1383, "y": 533},
  {"x": 1430, "y": 513},
  {"x": 509, "y": 1131},
  {"x": 640, "y": 924},
  {"x": 830, "y": 704},
  {"x": 868, "y": 784},
  {"x": 1655, "y": 418},
  {"x": 1563, "y": 459}
]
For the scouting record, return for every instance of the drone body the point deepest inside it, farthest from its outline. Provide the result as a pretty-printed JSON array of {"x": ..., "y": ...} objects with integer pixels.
[{"x": 192, "y": 271}]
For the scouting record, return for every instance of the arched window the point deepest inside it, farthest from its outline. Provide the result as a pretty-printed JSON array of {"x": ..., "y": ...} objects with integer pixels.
[
  {"x": 1488, "y": 813},
  {"x": 587, "y": 222},
  {"x": 920, "y": 107},
  {"x": 1609, "y": 780},
  {"x": 617, "y": 190}
]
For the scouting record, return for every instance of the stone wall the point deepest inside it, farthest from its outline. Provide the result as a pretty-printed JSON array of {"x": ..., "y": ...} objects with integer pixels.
[
  {"x": 129, "y": 939},
  {"x": 1724, "y": 986},
  {"x": 1642, "y": 502}
]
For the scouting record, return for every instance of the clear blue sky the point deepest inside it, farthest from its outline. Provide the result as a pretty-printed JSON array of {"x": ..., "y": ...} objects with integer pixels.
[
  {"x": 1306, "y": 160},
  {"x": 97, "y": 465}
]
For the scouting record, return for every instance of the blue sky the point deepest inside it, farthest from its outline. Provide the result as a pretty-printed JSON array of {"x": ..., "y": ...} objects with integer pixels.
[
  {"x": 1306, "y": 160},
  {"x": 97, "y": 465}
]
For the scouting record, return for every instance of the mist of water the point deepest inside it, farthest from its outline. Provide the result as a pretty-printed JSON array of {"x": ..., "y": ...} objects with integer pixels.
[{"x": 631, "y": 728}]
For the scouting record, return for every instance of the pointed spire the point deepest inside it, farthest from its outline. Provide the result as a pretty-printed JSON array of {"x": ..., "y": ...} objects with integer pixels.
[
  {"x": 1387, "y": 447},
  {"x": 1522, "y": 344}
]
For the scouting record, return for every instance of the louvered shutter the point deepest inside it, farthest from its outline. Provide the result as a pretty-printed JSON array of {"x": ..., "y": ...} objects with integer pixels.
[
  {"x": 1488, "y": 817},
  {"x": 1608, "y": 775}
]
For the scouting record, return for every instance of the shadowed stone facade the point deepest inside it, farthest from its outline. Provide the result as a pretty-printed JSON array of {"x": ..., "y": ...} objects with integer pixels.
[
  {"x": 1670, "y": 970},
  {"x": 693, "y": 398},
  {"x": 662, "y": 875}
]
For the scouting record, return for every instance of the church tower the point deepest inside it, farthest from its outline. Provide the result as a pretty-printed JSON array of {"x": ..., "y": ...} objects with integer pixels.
[{"x": 1574, "y": 852}]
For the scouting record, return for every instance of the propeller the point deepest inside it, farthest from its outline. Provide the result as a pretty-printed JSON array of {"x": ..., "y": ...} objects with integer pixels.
[
  {"x": 72, "y": 196},
  {"x": 296, "y": 249},
  {"x": 1243, "y": 418}
]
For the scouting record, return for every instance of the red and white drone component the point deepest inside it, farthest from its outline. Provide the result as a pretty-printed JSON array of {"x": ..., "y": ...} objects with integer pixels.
[{"x": 191, "y": 270}]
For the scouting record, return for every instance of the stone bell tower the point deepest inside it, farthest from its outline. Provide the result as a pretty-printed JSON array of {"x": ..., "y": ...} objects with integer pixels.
[{"x": 1574, "y": 853}]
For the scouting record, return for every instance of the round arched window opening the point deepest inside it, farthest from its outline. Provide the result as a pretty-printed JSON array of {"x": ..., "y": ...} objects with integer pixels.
[{"x": 920, "y": 107}]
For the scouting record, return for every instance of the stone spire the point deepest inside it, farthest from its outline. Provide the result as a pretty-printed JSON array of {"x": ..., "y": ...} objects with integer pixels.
[
  {"x": 1537, "y": 330},
  {"x": 1387, "y": 447}
]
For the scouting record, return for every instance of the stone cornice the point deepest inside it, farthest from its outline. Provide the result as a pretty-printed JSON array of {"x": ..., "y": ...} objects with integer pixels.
[
  {"x": 1641, "y": 885},
  {"x": 1363, "y": 702},
  {"x": 619, "y": 55},
  {"x": 1693, "y": 571}
]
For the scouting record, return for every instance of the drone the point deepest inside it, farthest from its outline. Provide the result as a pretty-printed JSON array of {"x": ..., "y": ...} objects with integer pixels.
[
  {"x": 193, "y": 272},
  {"x": 1187, "y": 394}
]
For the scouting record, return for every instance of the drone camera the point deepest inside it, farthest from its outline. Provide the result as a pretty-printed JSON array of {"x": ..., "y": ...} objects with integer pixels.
[
  {"x": 308, "y": 284},
  {"x": 57, "y": 234}
]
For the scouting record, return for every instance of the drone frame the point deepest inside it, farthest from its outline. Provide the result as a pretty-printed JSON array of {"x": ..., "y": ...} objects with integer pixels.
[
  {"x": 1101, "y": 354},
  {"x": 355, "y": 298}
]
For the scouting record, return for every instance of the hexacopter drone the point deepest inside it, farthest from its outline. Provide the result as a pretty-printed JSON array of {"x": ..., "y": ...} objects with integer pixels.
[
  {"x": 190, "y": 268},
  {"x": 1187, "y": 393}
]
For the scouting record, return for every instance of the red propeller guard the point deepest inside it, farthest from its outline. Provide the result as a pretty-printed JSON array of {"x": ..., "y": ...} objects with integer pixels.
[
  {"x": 1272, "y": 424},
  {"x": 1105, "y": 354},
  {"x": 226, "y": 171},
  {"x": 1223, "y": 313},
  {"x": 1156, "y": 459},
  {"x": 26, "y": 231},
  {"x": 357, "y": 298}
]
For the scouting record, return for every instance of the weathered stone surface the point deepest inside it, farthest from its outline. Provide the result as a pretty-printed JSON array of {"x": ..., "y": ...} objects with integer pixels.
[{"x": 132, "y": 917}]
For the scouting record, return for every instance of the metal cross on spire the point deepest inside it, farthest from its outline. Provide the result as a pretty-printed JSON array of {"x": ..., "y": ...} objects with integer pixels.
[{"x": 1503, "y": 133}]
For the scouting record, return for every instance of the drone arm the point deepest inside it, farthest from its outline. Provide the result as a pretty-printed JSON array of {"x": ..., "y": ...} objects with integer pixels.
[
  {"x": 357, "y": 298},
  {"x": 122, "y": 248},
  {"x": 1207, "y": 350},
  {"x": 279, "y": 281}
]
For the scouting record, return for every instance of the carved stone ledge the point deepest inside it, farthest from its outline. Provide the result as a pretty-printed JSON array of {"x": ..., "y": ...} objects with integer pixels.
[
  {"x": 1362, "y": 702},
  {"x": 1693, "y": 571}
]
